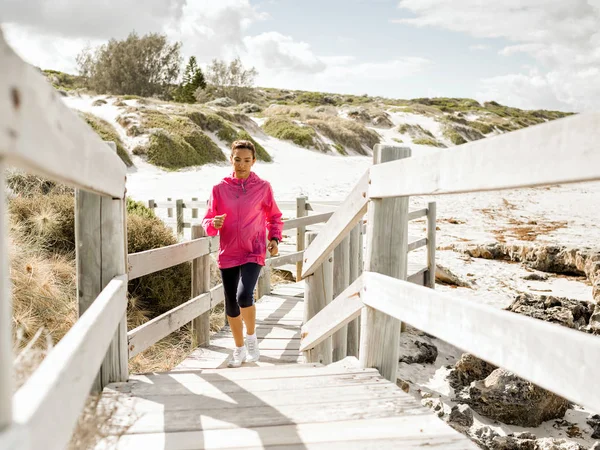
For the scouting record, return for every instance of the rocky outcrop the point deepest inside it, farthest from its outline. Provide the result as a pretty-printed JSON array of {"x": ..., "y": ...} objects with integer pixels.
[
  {"x": 468, "y": 369},
  {"x": 579, "y": 315},
  {"x": 419, "y": 353},
  {"x": 505, "y": 397},
  {"x": 546, "y": 258},
  {"x": 461, "y": 417},
  {"x": 444, "y": 275}
]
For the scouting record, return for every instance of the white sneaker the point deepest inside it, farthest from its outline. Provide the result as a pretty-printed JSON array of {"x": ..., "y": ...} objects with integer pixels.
[
  {"x": 239, "y": 355},
  {"x": 253, "y": 351}
]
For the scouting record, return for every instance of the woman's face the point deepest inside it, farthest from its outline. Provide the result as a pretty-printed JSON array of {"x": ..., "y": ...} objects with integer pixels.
[{"x": 242, "y": 161}]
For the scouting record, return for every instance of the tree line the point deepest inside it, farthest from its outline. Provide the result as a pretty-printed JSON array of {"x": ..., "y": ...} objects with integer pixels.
[{"x": 150, "y": 66}]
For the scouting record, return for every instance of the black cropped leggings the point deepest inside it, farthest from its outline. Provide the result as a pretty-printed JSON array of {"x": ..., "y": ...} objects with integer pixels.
[{"x": 239, "y": 283}]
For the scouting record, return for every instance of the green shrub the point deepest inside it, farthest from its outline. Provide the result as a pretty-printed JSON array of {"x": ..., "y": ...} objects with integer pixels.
[
  {"x": 139, "y": 209},
  {"x": 454, "y": 137},
  {"x": 64, "y": 81},
  {"x": 286, "y": 129},
  {"x": 399, "y": 141},
  {"x": 108, "y": 133},
  {"x": 160, "y": 291},
  {"x": 227, "y": 133},
  {"x": 428, "y": 141},
  {"x": 414, "y": 131},
  {"x": 481, "y": 127},
  {"x": 316, "y": 99},
  {"x": 178, "y": 142},
  {"x": 340, "y": 149},
  {"x": 261, "y": 153}
]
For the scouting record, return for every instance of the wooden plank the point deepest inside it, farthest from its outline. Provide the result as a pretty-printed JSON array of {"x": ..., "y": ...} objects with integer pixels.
[
  {"x": 456, "y": 442},
  {"x": 154, "y": 330},
  {"x": 263, "y": 344},
  {"x": 201, "y": 285},
  {"x": 63, "y": 148},
  {"x": 15, "y": 437},
  {"x": 318, "y": 294},
  {"x": 338, "y": 226},
  {"x": 419, "y": 430},
  {"x": 6, "y": 313},
  {"x": 416, "y": 244},
  {"x": 307, "y": 220},
  {"x": 353, "y": 326},
  {"x": 62, "y": 381},
  {"x": 150, "y": 261},
  {"x": 532, "y": 353},
  {"x": 387, "y": 242},
  {"x": 345, "y": 308},
  {"x": 285, "y": 259},
  {"x": 431, "y": 239},
  {"x": 301, "y": 211},
  {"x": 341, "y": 281},
  {"x": 217, "y": 295},
  {"x": 265, "y": 415},
  {"x": 521, "y": 158},
  {"x": 418, "y": 277},
  {"x": 412, "y": 215}
]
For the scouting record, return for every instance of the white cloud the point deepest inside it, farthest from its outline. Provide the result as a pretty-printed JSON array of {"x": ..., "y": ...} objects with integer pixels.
[
  {"x": 478, "y": 47},
  {"x": 563, "y": 37}
]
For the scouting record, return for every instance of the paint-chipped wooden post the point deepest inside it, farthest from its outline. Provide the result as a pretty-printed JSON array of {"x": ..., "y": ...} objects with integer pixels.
[
  {"x": 152, "y": 204},
  {"x": 300, "y": 233},
  {"x": 6, "y": 345},
  {"x": 179, "y": 215},
  {"x": 341, "y": 280},
  {"x": 354, "y": 268},
  {"x": 387, "y": 249},
  {"x": 317, "y": 294},
  {"x": 263, "y": 287},
  {"x": 431, "y": 231},
  {"x": 194, "y": 208},
  {"x": 101, "y": 252},
  {"x": 200, "y": 285},
  {"x": 169, "y": 210}
]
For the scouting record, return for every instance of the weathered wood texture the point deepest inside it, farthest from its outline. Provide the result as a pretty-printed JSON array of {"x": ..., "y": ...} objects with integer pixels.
[
  {"x": 341, "y": 280},
  {"x": 318, "y": 294},
  {"x": 63, "y": 147},
  {"x": 154, "y": 330},
  {"x": 353, "y": 334},
  {"x": 431, "y": 232},
  {"x": 554, "y": 357},
  {"x": 387, "y": 243},
  {"x": 338, "y": 226},
  {"x": 522, "y": 158},
  {"x": 62, "y": 381},
  {"x": 6, "y": 344},
  {"x": 200, "y": 285}
]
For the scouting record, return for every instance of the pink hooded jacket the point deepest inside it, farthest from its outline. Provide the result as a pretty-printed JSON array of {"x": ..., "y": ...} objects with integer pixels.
[{"x": 251, "y": 211}]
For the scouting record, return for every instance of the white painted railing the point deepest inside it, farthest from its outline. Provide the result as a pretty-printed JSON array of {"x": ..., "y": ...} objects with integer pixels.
[{"x": 561, "y": 360}]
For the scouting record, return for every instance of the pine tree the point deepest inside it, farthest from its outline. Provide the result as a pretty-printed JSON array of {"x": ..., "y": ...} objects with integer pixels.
[{"x": 193, "y": 78}]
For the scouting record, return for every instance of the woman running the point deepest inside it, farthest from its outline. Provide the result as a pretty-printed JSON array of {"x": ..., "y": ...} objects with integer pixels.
[{"x": 243, "y": 212}]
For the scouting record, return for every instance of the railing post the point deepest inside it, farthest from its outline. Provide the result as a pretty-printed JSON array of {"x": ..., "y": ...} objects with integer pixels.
[
  {"x": 431, "y": 231},
  {"x": 263, "y": 287},
  {"x": 194, "y": 210},
  {"x": 169, "y": 210},
  {"x": 387, "y": 249},
  {"x": 200, "y": 285},
  {"x": 179, "y": 214},
  {"x": 341, "y": 280},
  {"x": 6, "y": 345},
  {"x": 101, "y": 252},
  {"x": 300, "y": 233},
  {"x": 318, "y": 293},
  {"x": 355, "y": 251}
]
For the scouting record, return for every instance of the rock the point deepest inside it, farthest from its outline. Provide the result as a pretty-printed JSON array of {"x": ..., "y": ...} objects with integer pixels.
[
  {"x": 563, "y": 311},
  {"x": 594, "y": 324},
  {"x": 484, "y": 436},
  {"x": 557, "y": 444},
  {"x": 594, "y": 422},
  {"x": 223, "y": 102},
  {"x": 536, "y": 277},
  {"x": 596, "y": 446},
  {"x": 423, "y": 353},
  {"x": 403, "y": 385},
  {"x": 445, "y": 276},
  {"x": 63, "y": 93},
  {"x": 469, "y": 368},
  {"x": 99, "y": 102},
  {"x": 512, "y": 443},
  {"x": 505, "y": 397},
  {"x": 461, "y": 416}
]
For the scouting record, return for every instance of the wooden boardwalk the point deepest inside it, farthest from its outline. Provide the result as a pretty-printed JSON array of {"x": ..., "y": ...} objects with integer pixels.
[{"x": 278, "y": 402}]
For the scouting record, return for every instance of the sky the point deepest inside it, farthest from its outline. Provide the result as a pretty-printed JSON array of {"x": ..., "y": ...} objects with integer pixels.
[{"x": 533, "y": 54}]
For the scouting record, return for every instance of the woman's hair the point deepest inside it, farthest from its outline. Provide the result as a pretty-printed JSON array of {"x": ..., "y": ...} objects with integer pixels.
[{"x": 243, "y": 144}]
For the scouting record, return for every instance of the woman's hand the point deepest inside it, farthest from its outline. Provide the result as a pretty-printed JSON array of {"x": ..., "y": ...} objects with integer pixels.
[
  {"x": 273, "y": 247},
  {"x": 218, "y": 221}
]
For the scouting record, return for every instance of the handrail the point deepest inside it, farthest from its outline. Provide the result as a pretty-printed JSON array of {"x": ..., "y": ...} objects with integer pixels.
[
  {"x": 63, "y": 380},
  {"x": 147, "y": 334},
  {"x": 66, "y": 149},
  {"x": 552, "y": 356},
  {"x": 150, "y": 261},
  {"x": 561, "y": 151}
]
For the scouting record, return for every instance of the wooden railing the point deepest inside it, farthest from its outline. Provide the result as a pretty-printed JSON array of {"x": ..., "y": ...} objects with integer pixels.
[
  {"x": 561, "y": 360},
  {"x": 40, "y": 135}
]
